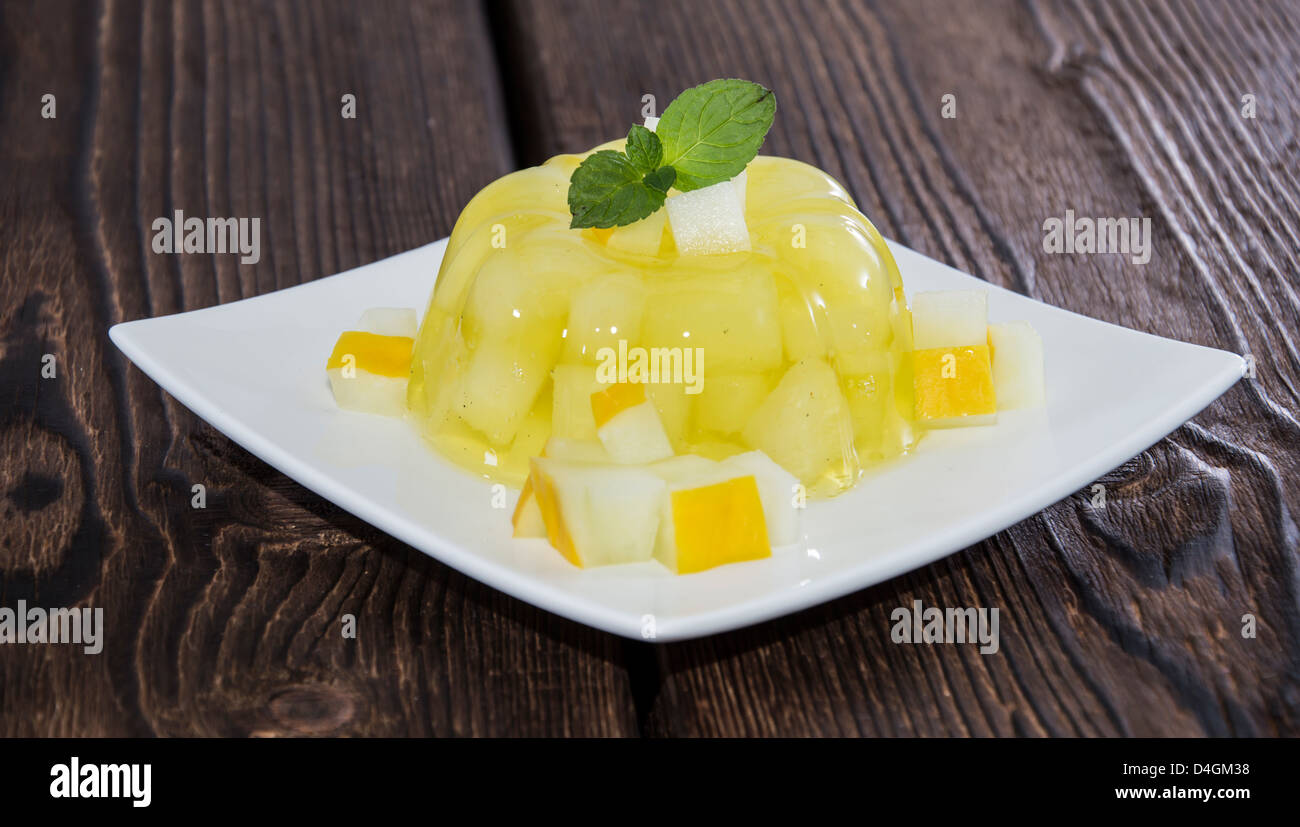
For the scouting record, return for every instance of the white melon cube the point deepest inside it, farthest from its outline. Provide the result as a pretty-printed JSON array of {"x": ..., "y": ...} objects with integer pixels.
[
  {"x": 390, "y": 321},
  {"x": 1017, "y": 365},
  {"x": 950, "y": 318},
  {"x": 628, "y": 425},
  {"x": 778, "y": 490},
  {"x": 709, "y": 221},
  {"x": 599, "y": 515},
  {"x": 604, "y": 311},
  {"x": 805, "y": 424}
]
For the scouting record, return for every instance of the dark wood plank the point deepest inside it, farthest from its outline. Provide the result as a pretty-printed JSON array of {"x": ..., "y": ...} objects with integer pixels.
[
  {"x": 1117, "y": 620},
  {"x": 227, "y": 621}
]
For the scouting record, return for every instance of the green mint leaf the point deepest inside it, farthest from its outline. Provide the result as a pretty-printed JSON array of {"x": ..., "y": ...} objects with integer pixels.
[
  {"x": 712, "y": 131},
  {"x": 661, "y": 179},
  {"x": 606, "y": 190},
  {"x": 644, "y": 149}
]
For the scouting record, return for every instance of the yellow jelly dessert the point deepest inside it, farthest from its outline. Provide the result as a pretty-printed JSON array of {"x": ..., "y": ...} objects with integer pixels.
[
  {"x": 806, "y": 334},
  {"x": 671, "y": 342}
]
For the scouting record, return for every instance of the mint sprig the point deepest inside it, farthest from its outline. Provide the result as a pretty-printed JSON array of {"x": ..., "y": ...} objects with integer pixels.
[{"x": 707, "y": 135}]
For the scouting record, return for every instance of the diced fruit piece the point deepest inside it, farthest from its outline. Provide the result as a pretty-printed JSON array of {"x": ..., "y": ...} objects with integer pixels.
[
  {"x": 741, "y": 183},
  {"x": 730, "y": 319},
  {"x": 651, "y": 123},
  {"x": 369, "y": 372},
  {"x": 1017, "y": 353},
  {"x": 603, "y": 311},
  {"x": 709, "y": 220},
  {"x": 954, "y": 386},
  {"x": 502, "y": 380},
  {"x": 628, "y": 425},
  {"x": 390, "y": 321},
  {"x": 527, "y": 519},
  {"x": 642, "y": 237},
  {"x": 804, "y": 426},
  {"x": 598, "y": 515},
  {"x": 500, "y": 304},
  {"x": 777, "y": 488},
  {"x": 576, "y": 450},
  {"x": 950, "y": 318},
  {"x": 728, "y": 400},
  {"x": 711, "y": 522},
  {"x": 612, "y": 400},
  {"x": 571, "y": 401}
]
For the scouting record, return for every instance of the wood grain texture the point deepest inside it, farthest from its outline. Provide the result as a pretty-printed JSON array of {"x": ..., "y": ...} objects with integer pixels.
[
  {"x": 1117, "y": 620},
  {"x": 1123, "y": 619},
  {"x": 228, "y": 620}
]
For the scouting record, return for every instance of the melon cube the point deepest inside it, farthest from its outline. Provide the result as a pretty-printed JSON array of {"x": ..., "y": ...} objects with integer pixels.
[
  {"x": 501, "y": 382},
  {"x": 805, "y": 426},
  {"x": 1017, "y": 352},
  {"x": 709, "y": 522},
  {"x": 598, "y": 515},
  {"x": 628, "y": 425},
  {"x": 953, "y": 386},
  {"x": 709, "y": 220},
  {"x": 369, "y": 373},
  {"x": 950, "y": 318},
  {"x": 603, "y": 311}
]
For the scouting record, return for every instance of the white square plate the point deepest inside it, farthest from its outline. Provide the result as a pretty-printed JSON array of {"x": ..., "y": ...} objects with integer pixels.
[{"x": 254, "y": 369}]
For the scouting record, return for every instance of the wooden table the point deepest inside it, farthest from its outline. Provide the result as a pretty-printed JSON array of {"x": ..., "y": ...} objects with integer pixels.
[{"x": 1117, "y": 620}]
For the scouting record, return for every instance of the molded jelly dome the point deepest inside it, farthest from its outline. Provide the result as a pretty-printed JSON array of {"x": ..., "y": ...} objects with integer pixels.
[{"x": 800, "y": 342}]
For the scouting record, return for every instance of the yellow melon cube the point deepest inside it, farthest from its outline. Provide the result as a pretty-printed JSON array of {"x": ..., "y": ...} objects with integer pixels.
[
  {"x": 628, "y": 425},
  {"x": 598, "y": 515},
  {"x": 953, "y": 386},
  {"x": 369, "y": 372},
  {"x": 711, "y": 524}
]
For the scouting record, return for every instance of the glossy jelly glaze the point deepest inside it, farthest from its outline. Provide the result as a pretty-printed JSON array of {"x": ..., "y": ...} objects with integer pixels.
[{"x": 813, "y": 317}]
